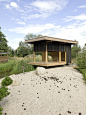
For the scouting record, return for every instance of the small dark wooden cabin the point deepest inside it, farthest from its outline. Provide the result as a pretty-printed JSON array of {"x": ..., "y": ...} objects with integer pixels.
[
  {"x": 60, "y": 50},
  {"x": 4, "y": 56}
]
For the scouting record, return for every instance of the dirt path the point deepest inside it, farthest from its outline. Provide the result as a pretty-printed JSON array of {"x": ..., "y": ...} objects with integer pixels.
[{"x": 61, "y": 91}]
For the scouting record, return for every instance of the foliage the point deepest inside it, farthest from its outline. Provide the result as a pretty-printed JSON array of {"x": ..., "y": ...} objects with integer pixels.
[
  {"x": 22, "y": 66},
  {"x": 22, "y": 51},
  {"x": 25, "y": 49},
  {"x": 81, "y": 63},
  {"x": 3, "y": 43},
  {"x": 6, "y": 67},
  {"x": 7, "y": 81},
  {"x": 74, "y": 51},
  {"x": 31, "y": 36},
  {"x": 11, "y": 51},
  {"x": 4, "y": 90},
  {"x": 15, "y": 65},
  {"x": 1, "y": 109}
]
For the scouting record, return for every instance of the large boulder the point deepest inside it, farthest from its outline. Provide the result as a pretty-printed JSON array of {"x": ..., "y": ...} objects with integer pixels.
[{"x": 40, "y": 71}]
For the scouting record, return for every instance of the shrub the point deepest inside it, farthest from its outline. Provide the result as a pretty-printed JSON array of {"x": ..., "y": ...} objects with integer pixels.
[
  {"x": 1, "y": 109},
  {"x": 4, "y": 90},
  {"x": 81, "y": 60},
  {"x": 7, "y": 81},
  {"x": 81, "y": 63}
]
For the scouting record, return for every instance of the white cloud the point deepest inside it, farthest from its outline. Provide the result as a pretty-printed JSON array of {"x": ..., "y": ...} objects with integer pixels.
[
  {"x": 14, "y": 5},
  {"x": 22, "y": 23},
  {"x": 80, "y": 17},
  {"x": 32, "y": 29},
  {"x": 49, "y": 6},
  {"x": 43, "y": 15},
  {"x": 83, "y": 6},
  {"x": 73, "y": 31},
  {"x": 8, "y": 6}
]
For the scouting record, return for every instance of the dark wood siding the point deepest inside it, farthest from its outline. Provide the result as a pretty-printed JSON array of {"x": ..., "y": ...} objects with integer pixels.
[
  {"x": 54, "y": 46},
  {"x": 68, "y": 53},
  {"x": 40, "y": 46}
]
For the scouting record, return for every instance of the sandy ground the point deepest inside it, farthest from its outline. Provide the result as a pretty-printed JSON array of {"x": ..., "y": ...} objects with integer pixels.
[{"x": 61, "y": 91}]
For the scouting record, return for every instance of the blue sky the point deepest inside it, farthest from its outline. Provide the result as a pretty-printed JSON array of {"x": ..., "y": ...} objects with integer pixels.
[{"x": 64, "y": 19}]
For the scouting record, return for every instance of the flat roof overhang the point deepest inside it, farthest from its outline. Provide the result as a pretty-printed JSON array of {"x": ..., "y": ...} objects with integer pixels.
[{"x": 46, "y": 38}]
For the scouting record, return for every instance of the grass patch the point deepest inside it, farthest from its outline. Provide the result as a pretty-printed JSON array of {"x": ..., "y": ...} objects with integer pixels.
[{"x": 15, "y": 66}]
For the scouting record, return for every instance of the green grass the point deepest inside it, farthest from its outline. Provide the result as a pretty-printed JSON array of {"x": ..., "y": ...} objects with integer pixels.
[{"x": 15, "y": 66}]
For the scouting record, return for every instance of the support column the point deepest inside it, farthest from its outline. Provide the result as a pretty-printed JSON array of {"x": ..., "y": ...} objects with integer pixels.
[
  {"x": 43, "y": 56},
  {"x": 34, "y": 56},
  {"x": 65, "y": 56},
  {"x": 59, "y": 56},
  {"x": 46, "y": 54}
]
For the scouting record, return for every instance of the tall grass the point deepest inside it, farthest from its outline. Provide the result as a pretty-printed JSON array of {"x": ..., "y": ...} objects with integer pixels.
[
  {"x": 16, "y": 66},
  {"x": 81, "y": 63}
]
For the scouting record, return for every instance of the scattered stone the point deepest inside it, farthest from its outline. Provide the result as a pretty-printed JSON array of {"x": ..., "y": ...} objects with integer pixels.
[
  {"x": 40, "y": 71},
  {"x": 24, "y": 108},
  {"x": 69, "y": 112},
  {"x": 15, "y": 83}
]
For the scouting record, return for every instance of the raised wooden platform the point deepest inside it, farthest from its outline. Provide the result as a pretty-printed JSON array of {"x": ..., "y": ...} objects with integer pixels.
[{"x": 47, "y": 64}]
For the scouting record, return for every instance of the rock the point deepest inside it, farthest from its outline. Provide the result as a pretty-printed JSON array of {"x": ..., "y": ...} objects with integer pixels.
[
  {"x": 16, "y": 83},
  {"x": 40, "y": 71}
]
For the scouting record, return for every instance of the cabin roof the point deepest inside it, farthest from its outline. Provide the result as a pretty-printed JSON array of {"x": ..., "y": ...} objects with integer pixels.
[
  {"x": 46, "y": 38},
  {"x": 4, "y": 52}
]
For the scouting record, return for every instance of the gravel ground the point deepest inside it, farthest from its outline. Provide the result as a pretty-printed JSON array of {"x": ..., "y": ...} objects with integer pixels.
[{"x": 60, "y": 91}]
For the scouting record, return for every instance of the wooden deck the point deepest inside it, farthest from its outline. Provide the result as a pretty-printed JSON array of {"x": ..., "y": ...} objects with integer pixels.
[{"x": 48, "y": 63}]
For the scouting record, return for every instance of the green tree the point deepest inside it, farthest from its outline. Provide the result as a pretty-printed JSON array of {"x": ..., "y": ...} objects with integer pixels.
[
  {"x": 31, "y": 36},
  {"x": 3, "y": 42},
  {"x": 22, "y": 51},
  {"x": 74, "y": 51},
  {"x": 11, "y": 51}
]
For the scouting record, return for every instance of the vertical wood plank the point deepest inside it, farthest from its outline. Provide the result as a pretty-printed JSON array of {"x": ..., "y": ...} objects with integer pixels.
[
  {"x": 34, "y": 56},
  {"x": 46, "y": 54},
  {"x": 65, "y": 56},
  {"x": 43, "y": 56},
  {"x": 59, "y": 56}
]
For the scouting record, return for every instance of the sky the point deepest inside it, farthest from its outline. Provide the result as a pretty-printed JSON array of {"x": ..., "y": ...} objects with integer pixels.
[{"x": 64, "y": 19}]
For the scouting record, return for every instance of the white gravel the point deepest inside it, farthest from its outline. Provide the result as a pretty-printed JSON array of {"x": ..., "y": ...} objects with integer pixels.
[{"x": 60, "y": 91}]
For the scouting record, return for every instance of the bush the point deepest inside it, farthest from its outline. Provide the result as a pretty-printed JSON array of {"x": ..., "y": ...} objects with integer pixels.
[
  {"x": 7, "y": 81},
  {"x": 1, "y": 109},
  {"x": 4, "y": 90},
  {"x": 81, "y": 60},
  {"x": 81, "y": 63}
]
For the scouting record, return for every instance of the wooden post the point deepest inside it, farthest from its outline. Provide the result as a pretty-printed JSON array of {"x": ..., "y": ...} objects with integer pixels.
[
  {"x": 43, "y": 56},
  {"x": 59, "y": 56},
  {"x": 34, "y": 56},
  {"x": 46, "y": 59},
  {"x": 65, "y": 56}
]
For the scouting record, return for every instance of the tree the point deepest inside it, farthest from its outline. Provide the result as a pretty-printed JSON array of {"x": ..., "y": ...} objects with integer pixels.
[
  {"x": 74, "y": 51},
  {"x": 22, "y": 51},
  {"x": 3, "y": 42},
  {"x": 11, "y": 51},
  {"x": 31, "y": 36}
]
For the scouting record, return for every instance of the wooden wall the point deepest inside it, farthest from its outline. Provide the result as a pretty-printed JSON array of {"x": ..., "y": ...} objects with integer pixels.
[
  {"x": 54, "y": 47},
  {"x": 3, "y": 59}
]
